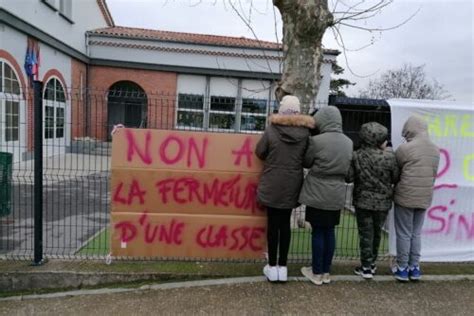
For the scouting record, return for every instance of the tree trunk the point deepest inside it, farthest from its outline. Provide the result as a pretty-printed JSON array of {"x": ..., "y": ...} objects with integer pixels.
[{"x": 304, "y": 24}]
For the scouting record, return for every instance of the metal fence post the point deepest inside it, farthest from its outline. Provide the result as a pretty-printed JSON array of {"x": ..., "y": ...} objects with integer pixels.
[{"x": 38, "y": 173}]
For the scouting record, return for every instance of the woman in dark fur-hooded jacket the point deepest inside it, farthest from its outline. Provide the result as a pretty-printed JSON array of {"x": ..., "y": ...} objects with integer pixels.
[{"x": 282, "y": 148}]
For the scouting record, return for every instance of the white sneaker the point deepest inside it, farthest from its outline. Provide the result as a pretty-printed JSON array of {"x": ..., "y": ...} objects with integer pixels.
[
  {"x": 314, "y": 278},
  {"x": 271, "y": 273},
  {"x": 282, "y": 274},
  {"x": 326, "y": 278}
]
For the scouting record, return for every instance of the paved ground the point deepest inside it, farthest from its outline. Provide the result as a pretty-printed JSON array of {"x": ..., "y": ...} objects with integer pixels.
[
  {"x": 341, "y": 298},
  {"x": 76, "y": 205},
  {"x": 63, "y": 167}
]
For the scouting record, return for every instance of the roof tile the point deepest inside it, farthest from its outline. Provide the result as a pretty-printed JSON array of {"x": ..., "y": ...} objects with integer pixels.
[
  {"x": 206, "y": 39},
  {"x": 121, "y": 31}
]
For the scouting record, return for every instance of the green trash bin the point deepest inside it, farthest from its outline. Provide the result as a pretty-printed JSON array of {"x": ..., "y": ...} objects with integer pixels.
[{"x": 6, "y": 160}]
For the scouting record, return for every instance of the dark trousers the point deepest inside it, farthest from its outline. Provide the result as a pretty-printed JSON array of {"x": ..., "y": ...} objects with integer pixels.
[
  {"x": 370, "y": 224},
  {"x": 323, "y": 246},
  {"x": 278, "y": 235}
]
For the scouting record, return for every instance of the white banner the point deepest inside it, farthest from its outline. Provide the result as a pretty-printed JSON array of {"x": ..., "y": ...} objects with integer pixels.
[{"x": 448, "y": 231}]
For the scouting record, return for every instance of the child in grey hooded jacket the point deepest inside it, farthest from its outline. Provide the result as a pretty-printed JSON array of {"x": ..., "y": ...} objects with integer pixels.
[{"x": 418, "y": 160}]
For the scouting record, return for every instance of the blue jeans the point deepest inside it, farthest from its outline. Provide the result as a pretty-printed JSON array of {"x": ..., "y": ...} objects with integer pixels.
[{"x": 323, "y": 246}]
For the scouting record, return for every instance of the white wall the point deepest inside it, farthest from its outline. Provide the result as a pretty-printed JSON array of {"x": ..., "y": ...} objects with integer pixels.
[
  {"x": 256, "y": 89},
  {"x": 223, "y": 87},
  {"x": 191, "y": 84},
  {"x": 86, "y": 15},
  {"x": 202, "y": 60},
  {"x": 326, "y": 69},
  {"x": 184, "y": 60},
  {"x": 54, "y": 59},
  {"x": 15, "y": 43},
  {"x": 179, "y": 45}
]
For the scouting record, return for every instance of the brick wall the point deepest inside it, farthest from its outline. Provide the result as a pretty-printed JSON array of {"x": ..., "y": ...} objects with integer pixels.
[
  {"x": 78, "y": 98},
  {"x": 160, "y": 88}
]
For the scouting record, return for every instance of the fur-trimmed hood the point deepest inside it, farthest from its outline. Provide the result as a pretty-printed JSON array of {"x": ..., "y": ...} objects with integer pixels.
[
  {"x": 292, "y": 128},
  {"x": 293, "y": 120}
]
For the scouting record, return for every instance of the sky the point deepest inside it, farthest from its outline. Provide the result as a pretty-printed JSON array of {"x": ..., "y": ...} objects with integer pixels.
[{"x": 439, "y": 36}]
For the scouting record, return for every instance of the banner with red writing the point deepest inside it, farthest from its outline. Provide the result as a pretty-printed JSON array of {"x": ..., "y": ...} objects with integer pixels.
[
  {"x": 448, "y": 231},
  {"x": 179, "y": 194}
]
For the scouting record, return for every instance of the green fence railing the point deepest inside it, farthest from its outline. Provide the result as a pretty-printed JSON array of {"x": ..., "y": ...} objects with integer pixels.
[{"x": 6, "y": 160}]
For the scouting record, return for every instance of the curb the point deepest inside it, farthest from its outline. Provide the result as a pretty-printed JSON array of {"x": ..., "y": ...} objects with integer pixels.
[
  {"x": 225, "y": 281},
  {"x": 54, "y": 280}
]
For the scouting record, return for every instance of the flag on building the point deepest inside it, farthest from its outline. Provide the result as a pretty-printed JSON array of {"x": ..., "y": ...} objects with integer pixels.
[{"x": 32, "y": 61}]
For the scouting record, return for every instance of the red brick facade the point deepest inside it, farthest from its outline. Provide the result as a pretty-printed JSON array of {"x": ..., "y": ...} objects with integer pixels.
[
  {"x": 78, "y": 88},
  {"x": 160, "y": 88},
  {"x": 55, "y": 73}
]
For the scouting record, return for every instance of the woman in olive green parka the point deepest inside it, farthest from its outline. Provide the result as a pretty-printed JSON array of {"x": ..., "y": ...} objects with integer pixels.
[{"x": 328, "y": 158}]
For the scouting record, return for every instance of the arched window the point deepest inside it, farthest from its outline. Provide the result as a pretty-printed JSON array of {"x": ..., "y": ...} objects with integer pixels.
[
  {"x": 126, "y": 104},
  {"x": 54, "y": 109},
  {"x": 10, "y": 103}
]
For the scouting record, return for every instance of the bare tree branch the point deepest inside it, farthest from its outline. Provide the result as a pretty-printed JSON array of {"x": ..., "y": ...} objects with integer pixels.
[
  {"x": 355, "y": 13},
  {"x": 335, "y": 6},
  {"x": 338, "y": 35},
  {"x": 242, "y": 10},
  {"x": 304, "y": 23},
  {"x": 280, "y": 64},
  {"x": 250, "y": 11},
  {"x": 365, "y": 17},
  {"x": 364, "y": 14},
  {"x": 275, "y": 24},
  {"x": 198, "y": 2},
  {"x": 352, "y": 8},
  {"x": 247, "y": 23},
  {"x": 406, "y": 82},
  {"x": 369, "y": 29}
]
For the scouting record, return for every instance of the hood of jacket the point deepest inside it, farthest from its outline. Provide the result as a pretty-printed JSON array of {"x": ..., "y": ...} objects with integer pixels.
[
  {"x": 292, "y": 128},
  {"x": 328, "y": 119},
  {"x": 373, "y": 134},
  {"x": 414, "y": 127}
]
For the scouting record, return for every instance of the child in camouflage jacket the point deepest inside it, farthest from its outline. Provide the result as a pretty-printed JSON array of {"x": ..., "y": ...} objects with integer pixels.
[{"x": 374, "y": 171}]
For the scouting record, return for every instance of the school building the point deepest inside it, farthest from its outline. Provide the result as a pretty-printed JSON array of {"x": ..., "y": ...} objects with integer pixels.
[{"x": 97, "y": 74}]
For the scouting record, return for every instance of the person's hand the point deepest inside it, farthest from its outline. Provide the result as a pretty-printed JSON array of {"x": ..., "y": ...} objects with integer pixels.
[{"x": 384, "y": 145}]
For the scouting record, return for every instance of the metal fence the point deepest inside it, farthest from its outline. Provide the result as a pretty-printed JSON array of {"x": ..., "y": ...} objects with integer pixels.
[{"x": 75, "y": 163}]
